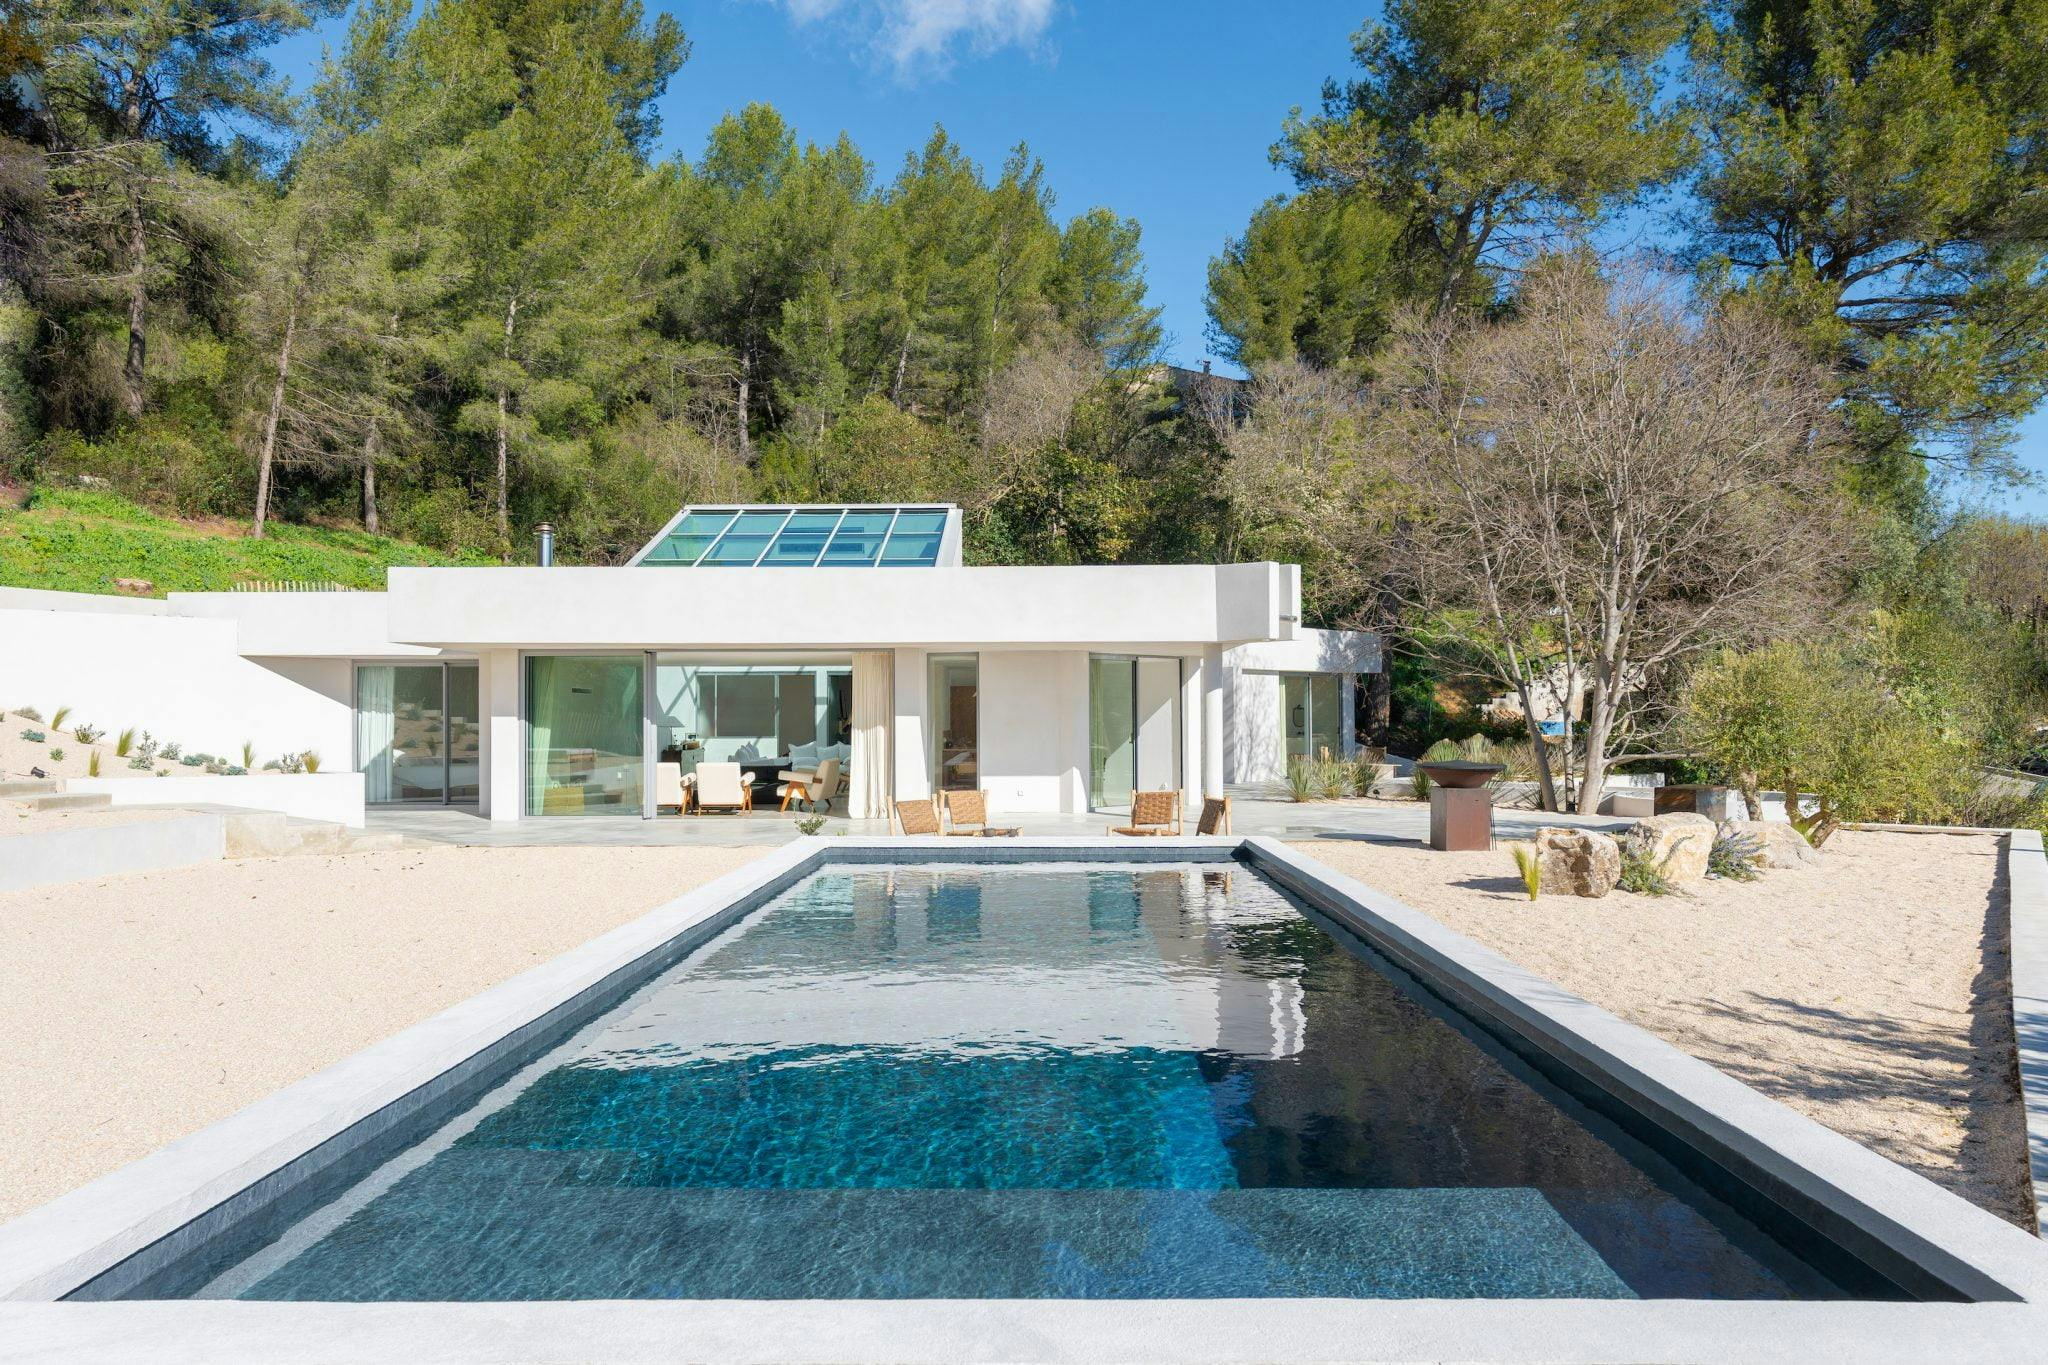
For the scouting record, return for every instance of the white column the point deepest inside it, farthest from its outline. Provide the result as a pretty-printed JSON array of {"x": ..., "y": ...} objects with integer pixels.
[
  {"x": 1192, "y": 691},
  {"x": 1075, "y": 672},
  {"x": 504, "y": 753},
  {"x": 1212, "y": 721},
  {"x": 913, "y": 776}
]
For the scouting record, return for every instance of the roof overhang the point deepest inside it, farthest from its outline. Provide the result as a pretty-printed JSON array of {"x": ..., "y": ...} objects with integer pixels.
[{"x": 645, "y": 608}]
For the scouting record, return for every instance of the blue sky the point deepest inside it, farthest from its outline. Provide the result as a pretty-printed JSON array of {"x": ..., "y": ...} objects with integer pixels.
[{"x": 1160, "y": 110}]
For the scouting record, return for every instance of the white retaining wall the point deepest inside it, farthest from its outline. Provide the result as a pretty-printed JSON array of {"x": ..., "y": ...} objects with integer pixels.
[
  {"x": 118, "y": 662},
  {"x": 49, "y": 857},
  {"x": 335, "y": 797}
]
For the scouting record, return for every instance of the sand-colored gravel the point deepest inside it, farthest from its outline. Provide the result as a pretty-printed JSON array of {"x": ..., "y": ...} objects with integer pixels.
[
  {"x": 137, "y": 1009},
  {"x": 1871, "y": 993}
]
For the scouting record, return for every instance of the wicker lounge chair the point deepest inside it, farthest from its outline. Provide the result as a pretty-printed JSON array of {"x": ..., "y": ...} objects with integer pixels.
[
  {"x": 918, "y": 817},
  {"x": 1153, "y": 813},
  {"x": 723, "y": 786},
  {"x": 1215, "y": 816},
  {"x": 971, "y": 808}
]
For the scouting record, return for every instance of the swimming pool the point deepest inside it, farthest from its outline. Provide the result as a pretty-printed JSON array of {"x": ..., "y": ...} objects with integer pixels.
[{"x": 1041, "y": 1081}]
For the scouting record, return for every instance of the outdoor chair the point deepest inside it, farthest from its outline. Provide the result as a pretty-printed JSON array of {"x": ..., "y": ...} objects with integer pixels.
[
  {"x": 1215, "y": 816},
  {"x": 723, "y": 786},
  {"x": 816, "y": 788},
  {"x": 1153, "y": 813},
  {"x": 668, "y": 787},
  {"x": 918, "y": 817},
  {"x": 971, "y": 808}
]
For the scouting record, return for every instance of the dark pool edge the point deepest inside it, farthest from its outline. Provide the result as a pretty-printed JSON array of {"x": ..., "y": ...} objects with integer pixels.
[
  {"x": 1911, "y": 1229},
  {"x": 2026, "y": 880}
]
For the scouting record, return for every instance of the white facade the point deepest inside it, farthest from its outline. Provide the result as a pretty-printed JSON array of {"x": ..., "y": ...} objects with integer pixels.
[{"x": 1187, "y": 660}]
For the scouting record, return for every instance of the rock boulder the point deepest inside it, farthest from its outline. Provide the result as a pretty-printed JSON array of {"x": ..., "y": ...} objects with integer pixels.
[
  {"x": 1578, "y": 862},
  {"x": 1782, "y": 845},
  {"x": 1677, "y": 843}
]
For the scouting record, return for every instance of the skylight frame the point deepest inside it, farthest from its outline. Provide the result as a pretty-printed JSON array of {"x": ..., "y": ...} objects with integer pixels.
[{"x": 734, "y": 530}]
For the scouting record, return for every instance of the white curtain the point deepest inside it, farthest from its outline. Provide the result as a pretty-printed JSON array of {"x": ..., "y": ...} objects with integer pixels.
[
  {"x": 874, "y": 704},
  {"x": 375, "y": 728}
]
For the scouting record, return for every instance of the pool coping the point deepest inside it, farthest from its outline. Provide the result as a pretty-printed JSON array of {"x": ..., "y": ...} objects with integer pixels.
[
  {"x": 156, "y": 1205},
  {"x": 2026, "y": 868}
]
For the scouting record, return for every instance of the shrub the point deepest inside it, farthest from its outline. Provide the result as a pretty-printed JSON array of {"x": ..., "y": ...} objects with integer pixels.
[
  {"x": 193, "y": 760},
  {"x": 87, "y": 734},
  {"x": 810, "y": 824},
  {"x": 171, "y": 751},
  {"x": 202, "y": 758},
  {"x": 1642, "y": 874},
  {"x": 235, "y": 771},
  {"x": 310, "y": 760},
  {"x": 58, "y": 716},
  {"x": 1734, "y": 855},
  {"x": 1321, "y": 778},
  {"x": 29, "y": 713},
  {"x": 56, "y": 755},
  {"x": 145, "y": 748},
  {"x": 34, "y": 736},
  {"x": 140, "y": 764},
  {"x": 1531, "y": 868},
  {"x": 275, "y": 765},
  {"x": 248, "y": 753},
  {"x": 92, "y": 764},
  {"x": 124, "y": 742}
]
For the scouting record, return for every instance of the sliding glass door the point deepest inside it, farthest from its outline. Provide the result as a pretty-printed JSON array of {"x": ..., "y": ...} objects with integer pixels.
[
  {"x": 1133, "y": 728},
  {"x": 416, "y": 733},
  {"x": 1310, "y": 718},
  {"x": 584, "y": 737},
  {"x": 955, "y": 692}
]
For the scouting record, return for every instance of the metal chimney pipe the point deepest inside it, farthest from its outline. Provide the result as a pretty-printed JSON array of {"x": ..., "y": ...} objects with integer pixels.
[{"x": 547, "y": 545}]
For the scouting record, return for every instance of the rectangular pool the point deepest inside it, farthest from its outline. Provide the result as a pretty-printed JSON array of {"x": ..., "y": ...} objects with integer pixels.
[{"x": 1107, "y": 1081}]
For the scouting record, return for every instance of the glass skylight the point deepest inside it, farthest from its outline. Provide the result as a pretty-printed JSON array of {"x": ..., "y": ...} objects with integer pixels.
[{"x": 802, "y": 537}]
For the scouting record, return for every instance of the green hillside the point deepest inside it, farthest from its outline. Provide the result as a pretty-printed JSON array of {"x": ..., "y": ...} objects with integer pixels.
[{"x": 78, "y": 540}]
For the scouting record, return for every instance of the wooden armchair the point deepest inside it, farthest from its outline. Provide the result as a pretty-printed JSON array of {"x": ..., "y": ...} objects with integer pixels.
[{"x": 1153, "y": 813}]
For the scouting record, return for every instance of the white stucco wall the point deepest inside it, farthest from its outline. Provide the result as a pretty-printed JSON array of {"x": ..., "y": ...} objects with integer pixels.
[
  {"x": 1032, "y": 758},
  {"x": 181, "y": 678},
  {"x": 1254, "y": 750}
]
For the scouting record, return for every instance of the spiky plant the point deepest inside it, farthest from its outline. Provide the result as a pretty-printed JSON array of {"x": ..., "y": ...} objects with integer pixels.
[
  {"x": 57, "y": 717},
  {"x": 92, "y": 764},
  {"x": 123, "y": 742},
  {"x": 1531, "y": 868}
]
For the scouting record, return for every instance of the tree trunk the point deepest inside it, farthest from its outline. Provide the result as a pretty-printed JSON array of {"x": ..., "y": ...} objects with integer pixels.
[
  {"x": 1539, "y": 751},
  {"x": 1752, "y": 798},
  {"x": 504, "y": 412},
  {"x": 1599, "y": 722},
  {"x": 746, "y": 399},
  {"x": 370, "y": 478},
  {"x": 271, "y": 418},
  {"x": 902, "y": 367},
  {"x": 138, "y": 305}
]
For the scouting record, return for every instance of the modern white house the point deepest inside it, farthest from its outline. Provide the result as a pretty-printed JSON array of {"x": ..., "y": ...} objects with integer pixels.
[{"x": 738, "y": 633}]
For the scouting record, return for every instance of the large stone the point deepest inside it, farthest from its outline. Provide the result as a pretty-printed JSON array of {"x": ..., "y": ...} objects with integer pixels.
[
  {"x": 1780, "y": 844},
  {"x": 1677, "y": 844},
  {"x": 1577, "y": 862}
]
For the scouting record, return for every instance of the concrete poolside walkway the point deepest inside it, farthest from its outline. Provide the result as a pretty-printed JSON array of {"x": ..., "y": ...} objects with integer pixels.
[{"x": 1371, "y": 821}]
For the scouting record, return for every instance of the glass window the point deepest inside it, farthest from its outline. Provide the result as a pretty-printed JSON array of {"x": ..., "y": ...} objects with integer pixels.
[
  {"x": 915, "y": 539},
  {"x": 955, "y": 683},
  {"x": 401, "y": 732},
  {"x": 583, "y": 735},
  {"x": 465, "y": 734},
  {"x": 803, "y": 539},
  {"x": 1112, "y": 708},
  {"x": 858, "y": 540},
  {"x": 746, "y": 538},
  {"x": 691, "y": 538},
  {"x": 1323, "y": 715},
  {"x": 1311, "y": 715}
]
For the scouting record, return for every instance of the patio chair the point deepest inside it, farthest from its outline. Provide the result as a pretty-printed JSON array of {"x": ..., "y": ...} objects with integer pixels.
[
  {"x": 1153, "y": 813},
  {"x": 918, "y": 817},
  {"x": 816, "y": 788},
  {"x": 971, "y": 808},
  {"x": 668, "y": 787},
  {"x": 1215, "y": 816},
  {"x": 723, "y": 786}
]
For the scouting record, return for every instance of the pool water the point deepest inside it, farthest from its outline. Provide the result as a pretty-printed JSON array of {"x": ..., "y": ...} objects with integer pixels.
[{"x": 1120, "y": 1081}]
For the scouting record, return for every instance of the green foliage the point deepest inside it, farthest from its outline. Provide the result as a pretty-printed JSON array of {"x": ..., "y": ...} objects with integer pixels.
[
  {"x": 248, "y": 752},
  {"x": 124, "y": 742},
  {"x": 1734, "y": 855},
  {"x": 1641, "y": 873},
  {"x": 87, "y": 734},
  {"x": 92, "y": 763},
  {"x": 1321, "y": 777},
  {"x": 56, "y": 755},
  {"x": 1874, "y": 173},
  {"x": 808, "y": 825},
  {"x": 59, "y": 716},
  {"x": 28, "y": 713},
  {"x": 81, "y": 541},
  {"x": 34, "y": 736},
  {"x": 1531, "y": 869}
]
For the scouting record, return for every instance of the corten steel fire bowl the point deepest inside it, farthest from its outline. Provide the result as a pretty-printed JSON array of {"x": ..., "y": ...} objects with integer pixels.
[{"x": 1456, "y": 773}]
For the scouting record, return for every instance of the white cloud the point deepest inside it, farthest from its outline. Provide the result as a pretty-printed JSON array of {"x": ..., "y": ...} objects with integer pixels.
[{"x": 925, "y": 37}]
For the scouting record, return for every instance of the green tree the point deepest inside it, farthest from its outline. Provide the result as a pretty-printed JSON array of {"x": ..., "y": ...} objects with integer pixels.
[
  {"x": 1485, "y": 126},
  {"x": 1313, "y": 278},
  {"x": 1878, "y": 173},
  {"x": 1098, "y": 289}
]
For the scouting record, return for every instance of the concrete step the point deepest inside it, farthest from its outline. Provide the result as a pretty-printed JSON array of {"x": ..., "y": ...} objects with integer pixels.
[
  {"x": 268, "y": 834},
  {"x": 14, "y": 788},
  {"x": 63, "y": 800}
]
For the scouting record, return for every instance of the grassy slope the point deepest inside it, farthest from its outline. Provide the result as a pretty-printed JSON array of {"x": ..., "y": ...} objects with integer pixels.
[{"x": 81, "y": 541}]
